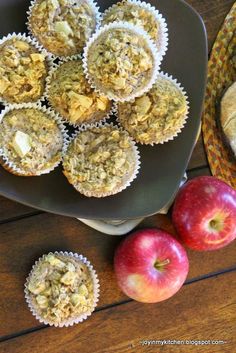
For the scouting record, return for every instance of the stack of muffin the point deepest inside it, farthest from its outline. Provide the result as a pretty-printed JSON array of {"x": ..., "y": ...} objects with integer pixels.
[{"x": 77, "y": 68}]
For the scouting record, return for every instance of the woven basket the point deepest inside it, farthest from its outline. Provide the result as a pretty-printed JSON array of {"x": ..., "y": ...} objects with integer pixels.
[{"x": 221, "y": 74}]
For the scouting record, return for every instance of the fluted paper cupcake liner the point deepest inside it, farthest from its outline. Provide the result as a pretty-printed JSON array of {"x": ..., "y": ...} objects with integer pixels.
[
  {"x": 37, "y": 46},
  {"x": 163, "y": 38},
  {"x": 183, "y": 119},
  {"x": 54, "y": 68},
  {"x": 74, "y": 320},
  {"x": 96, "y": 11},
  {"x": 137, "y": 32},
  {"x": 126, "y": 182},
  {"x": 9, "y": 165}
]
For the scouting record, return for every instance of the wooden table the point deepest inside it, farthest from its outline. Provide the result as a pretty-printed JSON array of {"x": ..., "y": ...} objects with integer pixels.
[{"x": 204, "y": 309}]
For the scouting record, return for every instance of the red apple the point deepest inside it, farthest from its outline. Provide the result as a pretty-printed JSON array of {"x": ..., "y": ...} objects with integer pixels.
[
  {"x": 150, "y": 265},
  {"x": 204, "y": 213}
]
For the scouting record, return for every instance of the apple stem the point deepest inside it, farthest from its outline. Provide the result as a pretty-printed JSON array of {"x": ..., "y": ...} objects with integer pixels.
[{"x": 159, "y": 265}]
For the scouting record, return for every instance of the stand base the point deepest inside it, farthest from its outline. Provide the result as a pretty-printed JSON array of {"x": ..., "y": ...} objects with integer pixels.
[{"x": 123, "y": 226}]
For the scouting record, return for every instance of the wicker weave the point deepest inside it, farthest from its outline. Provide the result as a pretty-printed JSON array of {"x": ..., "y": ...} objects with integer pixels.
[{"x": 221, "y": 74}]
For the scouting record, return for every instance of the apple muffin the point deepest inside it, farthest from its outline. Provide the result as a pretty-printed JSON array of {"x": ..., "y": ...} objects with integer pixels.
[
  {"x": 62, "y": 289},
  {"x": 142, "y": 15},
  {"x": 31, "y": 141},
  {"x": 101, "y": 161},
  {"x": 157, "y": 116},
  {"x": 63, "y": 26},
  {"x": 70, "y": 94},
  {"x": 121, "y": 61},
  {"x": 23, "y": 71}
]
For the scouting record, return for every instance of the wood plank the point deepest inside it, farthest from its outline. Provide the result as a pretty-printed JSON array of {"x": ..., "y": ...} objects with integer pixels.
[
  {"x": 213, "y": 13},
  {"x": 22, "y": 242},
  {"x": 204, "y": 310},
  {"x": 10, "y": 210}
]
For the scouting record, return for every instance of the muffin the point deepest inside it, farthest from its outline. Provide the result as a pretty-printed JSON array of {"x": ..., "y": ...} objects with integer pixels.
[
  {"x": 121, "y": 61},
  {"x": 70, "y": 94},
  {"x": 63, "y": 26},
  {"x": 158, "y": 115},
  {"x": 62, "y": 289},
  {"x": 101, "y": 161},
  {"x": 23, "y": 70},
  {"x": 32, "y": 140},
  {"x": 228, "y": 117},
  {"x": 142, "y": 15}
]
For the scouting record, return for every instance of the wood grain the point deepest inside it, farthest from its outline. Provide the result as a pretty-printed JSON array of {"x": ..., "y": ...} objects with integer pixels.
[
  {"x": 24, "y": 241},
  {"x": 213, "y": 13},
  {"x": 10, "y": 210},
  {"x": 204, "y": 310}
]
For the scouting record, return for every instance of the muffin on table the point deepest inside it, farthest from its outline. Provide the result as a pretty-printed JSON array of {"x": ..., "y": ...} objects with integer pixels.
[
  {"x": 143, "y": 15},
  {"x": 23, "y": 70},
  {"x": 70, "y": 94},
  {"x": 32, "y": 140},
  {"x": 63, "y": 26},
  {"x": 158, "y": 116},
  {"x": 62, "y": 289},
  {"x": 101, "y": 161},
  {"x": 121, "y": 61}
]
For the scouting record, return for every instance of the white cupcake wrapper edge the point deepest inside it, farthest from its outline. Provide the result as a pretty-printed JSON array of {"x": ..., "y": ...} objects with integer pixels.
[
  {"x": 94, "y": 6},
  {"x": 185, "y": 117},
  {"x": 163, "y": 40},
  {"x": 137, "y": 31},
  {"x": 72, "y": 321},
  {"x": 37, "y": 46},
  {"x": 10, "y": 165},
  {"x": 126, "y": 183}
]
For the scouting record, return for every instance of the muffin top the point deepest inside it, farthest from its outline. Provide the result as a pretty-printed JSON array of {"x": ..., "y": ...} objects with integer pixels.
[
  {"x": 31, "y": 140},
  {"x": 62, "y": 26},
  {"x": 61, "y": 287},
  {"x": 70, "y": 95},
  {"x": 133, "y": 13},
  {"x": 100, "y": 160},
  {"x": 23, "y": 70},
  {"x": 156, "y": 116},
  {"x": 120, "y": 62}
]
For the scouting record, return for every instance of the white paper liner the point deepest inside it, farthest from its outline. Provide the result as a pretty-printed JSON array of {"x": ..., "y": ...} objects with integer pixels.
[
  {"x": 10, "y": 166},
  {"x": 93, "y": 5},
  {"x": 184, "y": 118},
  {"x": 137, "y": 32},
  {"x": 54, "y": 68},
  {"x": 163, "y": 38},
  {"x": 71, "y": 321},
  {"x": 39, "y": 48},
  {"x": 126, "y": 182}
]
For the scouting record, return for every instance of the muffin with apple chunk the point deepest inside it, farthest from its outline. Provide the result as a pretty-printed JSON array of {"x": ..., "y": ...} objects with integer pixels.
[
  {"x": 23, "y": 71},
  {"x": 63, "y": 26},
  {"x": 70, "y": 94},
  {"x": 31, "y": 141}
]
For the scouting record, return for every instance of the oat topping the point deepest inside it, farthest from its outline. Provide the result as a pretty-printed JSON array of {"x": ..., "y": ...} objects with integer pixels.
[
  {"x": 23, "y": 71},
  {"x": 99, "y": 160},
  {"x": 31, "y": 139},
  {"x": 120, "y": 62},
  {"x": 135, "y": 14},
  {"x": 155, "y": 116},
  {"x": 61, "y": 288},
  {"x": 63, "y": 26},
  {"x": 73, "y": 98}
]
